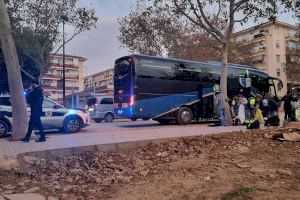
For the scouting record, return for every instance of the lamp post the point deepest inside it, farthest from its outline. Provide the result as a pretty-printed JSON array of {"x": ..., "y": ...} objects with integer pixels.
[{"x": 64, "y": 19}]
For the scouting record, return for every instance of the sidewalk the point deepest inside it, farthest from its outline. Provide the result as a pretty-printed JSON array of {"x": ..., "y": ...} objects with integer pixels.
[{"x": 107, "y": 140}]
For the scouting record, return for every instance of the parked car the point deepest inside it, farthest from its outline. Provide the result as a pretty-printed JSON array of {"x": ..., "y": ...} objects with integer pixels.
[
  {"x": 101, "y": 108},
  {"x": 55, "y": 116}
]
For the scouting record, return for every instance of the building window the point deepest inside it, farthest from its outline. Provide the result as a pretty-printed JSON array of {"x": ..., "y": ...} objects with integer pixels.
[
  {"x": 278, "y": 72},
  {"x": 277, "y": 43},
  {"x": 278, "y": 58}
]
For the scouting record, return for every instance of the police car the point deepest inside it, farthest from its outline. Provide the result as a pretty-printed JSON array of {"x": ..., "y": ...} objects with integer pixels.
[{"x": 54, "y": 116}]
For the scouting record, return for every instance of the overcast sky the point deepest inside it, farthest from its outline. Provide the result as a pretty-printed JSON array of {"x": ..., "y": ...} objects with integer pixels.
[{"x": 101, "y": 46}]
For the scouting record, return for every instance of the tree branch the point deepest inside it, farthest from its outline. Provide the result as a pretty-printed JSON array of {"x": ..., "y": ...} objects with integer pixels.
[
  {"x": 74, "y": 34},
  {"x": 38, "y": 19},
  {"x": 231, "y": 20},
  {"x": 243, "y": 19},
  {"x": 220, "y": 39},
  {"x": 238, "y": 5},
  {"x": 207, "y": 21}
]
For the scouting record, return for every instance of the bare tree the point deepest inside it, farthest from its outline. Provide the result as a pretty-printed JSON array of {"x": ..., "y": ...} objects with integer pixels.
[
  {"x": 37, "y": 26},
  {"x": 153, "y": 32},
  {"x": 19, "y": 112}
]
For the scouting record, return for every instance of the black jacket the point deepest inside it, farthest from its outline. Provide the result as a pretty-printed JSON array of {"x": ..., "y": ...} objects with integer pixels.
[
  {"x": 287, "y": 102},
  {"x": 35, "y": 99}
]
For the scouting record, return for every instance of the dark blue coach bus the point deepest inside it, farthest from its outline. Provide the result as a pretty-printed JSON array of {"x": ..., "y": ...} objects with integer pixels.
[{"x": 168, "y": 90}]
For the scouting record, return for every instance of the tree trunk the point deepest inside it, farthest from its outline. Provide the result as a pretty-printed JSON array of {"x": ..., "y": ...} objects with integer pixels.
[
  {"x": 223, "y": 82},
  {"x": 19, "y": 112}
]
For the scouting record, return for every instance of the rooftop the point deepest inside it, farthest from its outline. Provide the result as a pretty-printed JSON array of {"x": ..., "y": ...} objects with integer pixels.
[
  {"x": 278, "y": 23},
  {"x": 68, "y": 56}
]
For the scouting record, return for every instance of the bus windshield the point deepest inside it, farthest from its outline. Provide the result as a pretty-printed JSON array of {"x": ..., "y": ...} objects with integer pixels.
[{"x": 122, "y": 67}]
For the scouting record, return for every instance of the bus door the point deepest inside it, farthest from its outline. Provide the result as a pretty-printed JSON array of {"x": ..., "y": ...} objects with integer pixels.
[
  {"x": 205, "y": 106},
  {"x": 275, "y": 84}
]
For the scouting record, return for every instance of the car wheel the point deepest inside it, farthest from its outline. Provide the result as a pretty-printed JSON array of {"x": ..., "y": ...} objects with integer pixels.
[
  {"x": 133, "y": 119},
  {"x": 73, "y": 124},
  {"x": 109, "y": 117},
  {"x": 98, "y": 120},
  {"x": 184, "y": 116},
  {"x": 3, "y": 128}
]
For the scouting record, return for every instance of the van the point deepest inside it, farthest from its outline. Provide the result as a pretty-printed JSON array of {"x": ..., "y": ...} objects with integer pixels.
[{"x": 101, "y": 108}]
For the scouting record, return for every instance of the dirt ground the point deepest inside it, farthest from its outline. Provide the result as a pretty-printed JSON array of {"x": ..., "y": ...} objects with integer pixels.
[{"x": 236, "y": 165}]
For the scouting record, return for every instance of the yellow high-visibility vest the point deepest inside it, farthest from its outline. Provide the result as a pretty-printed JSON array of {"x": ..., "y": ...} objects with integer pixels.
[
  {"x": 252, "y": 101},
  {"x": 233, "y": 102}
]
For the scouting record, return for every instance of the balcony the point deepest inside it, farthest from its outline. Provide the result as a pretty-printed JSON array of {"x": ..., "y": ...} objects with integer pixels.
[
  {"x": 58, "y": 88},
  {"x": 57, "y": 65},
  {"x": 103, "y": 88},
  {"x": 259, "y": 35},
  {"x": 58, "y": 76}
]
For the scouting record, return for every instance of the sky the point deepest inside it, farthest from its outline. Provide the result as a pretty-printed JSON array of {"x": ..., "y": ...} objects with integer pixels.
[{"x": 100, "y": 45}]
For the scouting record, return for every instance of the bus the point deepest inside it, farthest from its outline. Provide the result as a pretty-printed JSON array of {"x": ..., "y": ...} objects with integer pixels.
[{"x": 165, "y": 90}]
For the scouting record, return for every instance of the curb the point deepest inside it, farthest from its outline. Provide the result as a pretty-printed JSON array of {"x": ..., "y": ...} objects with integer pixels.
[{"x": 110, "y": 147}]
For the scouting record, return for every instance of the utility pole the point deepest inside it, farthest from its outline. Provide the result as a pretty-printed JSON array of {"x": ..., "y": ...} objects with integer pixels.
[{"x": 64, "y": 18}]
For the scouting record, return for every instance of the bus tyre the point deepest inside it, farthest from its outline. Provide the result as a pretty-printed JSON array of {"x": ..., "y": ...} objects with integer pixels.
[
  {"x": 109, "y": 117},
  {"x": 3, "y": 128},
  {"x": 184, "y": 116},
  {"x": 98, "y": 120}
]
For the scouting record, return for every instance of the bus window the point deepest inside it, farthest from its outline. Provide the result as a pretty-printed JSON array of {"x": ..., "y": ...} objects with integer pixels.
[
  {"x": 156, "y": 69},
  {"x": 272, "y": 90}
]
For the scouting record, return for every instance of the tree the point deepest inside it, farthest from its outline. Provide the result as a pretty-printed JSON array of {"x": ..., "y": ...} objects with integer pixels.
[
  {"x": 153, "y": 32},
  {"x": 37, "y": 26},
  {"x": 19, "y": 112}
]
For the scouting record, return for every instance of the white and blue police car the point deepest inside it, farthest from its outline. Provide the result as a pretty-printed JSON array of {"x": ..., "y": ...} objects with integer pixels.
[{"x": 55, "y": 116}]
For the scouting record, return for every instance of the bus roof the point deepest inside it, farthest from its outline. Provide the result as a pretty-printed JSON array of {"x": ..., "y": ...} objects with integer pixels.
[{"x": 207, "y": 63}]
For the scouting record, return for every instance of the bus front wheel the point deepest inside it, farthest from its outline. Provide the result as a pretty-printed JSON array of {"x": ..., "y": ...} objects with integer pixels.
[{"x": 184, "y": 116}]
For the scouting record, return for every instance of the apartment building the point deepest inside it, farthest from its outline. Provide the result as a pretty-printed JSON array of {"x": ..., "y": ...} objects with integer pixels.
[
  {"x": 101, "y": 82},
  {"x": 269, "y": 44},
  {"x": 74, "y": 72}
]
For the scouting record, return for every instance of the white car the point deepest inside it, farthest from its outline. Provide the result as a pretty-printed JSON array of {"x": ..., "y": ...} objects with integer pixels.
[{"x": 55, "y": 116}]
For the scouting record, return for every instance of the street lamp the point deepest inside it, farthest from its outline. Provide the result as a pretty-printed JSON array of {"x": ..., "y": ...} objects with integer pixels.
[{"x": 64, "y": 19}]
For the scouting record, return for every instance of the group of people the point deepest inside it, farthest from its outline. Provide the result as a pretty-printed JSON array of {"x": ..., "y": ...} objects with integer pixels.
[{"x": 257, "y": 110}]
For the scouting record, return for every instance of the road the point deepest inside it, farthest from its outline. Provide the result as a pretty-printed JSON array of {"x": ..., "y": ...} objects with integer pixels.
[{"x": 116, "y": 132}]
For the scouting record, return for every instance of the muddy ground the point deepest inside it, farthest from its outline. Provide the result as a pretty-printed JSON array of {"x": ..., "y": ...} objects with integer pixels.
[{"x": 228, "y": 166}]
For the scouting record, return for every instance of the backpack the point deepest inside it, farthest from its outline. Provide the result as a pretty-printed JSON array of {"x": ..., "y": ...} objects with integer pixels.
[{"x": 273, "y": 121}]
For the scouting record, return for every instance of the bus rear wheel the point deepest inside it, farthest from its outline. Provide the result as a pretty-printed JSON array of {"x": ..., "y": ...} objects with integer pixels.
[{"x": 184, "y": 116}]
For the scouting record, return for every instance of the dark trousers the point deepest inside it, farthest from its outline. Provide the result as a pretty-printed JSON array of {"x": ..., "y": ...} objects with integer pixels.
[
  {"x": 35, "y": 122},
  {"x": 287, "y": 114}
]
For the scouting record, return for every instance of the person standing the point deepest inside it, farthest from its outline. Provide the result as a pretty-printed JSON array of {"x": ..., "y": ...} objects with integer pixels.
[
  {"x": 287, "y": 106},
  {"x": 221, "y": 102},
  {"x": 35, "y": 99}
]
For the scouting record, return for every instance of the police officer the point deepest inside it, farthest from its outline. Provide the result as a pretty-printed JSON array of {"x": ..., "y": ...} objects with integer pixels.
[{"x": 35, "y": 99}]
